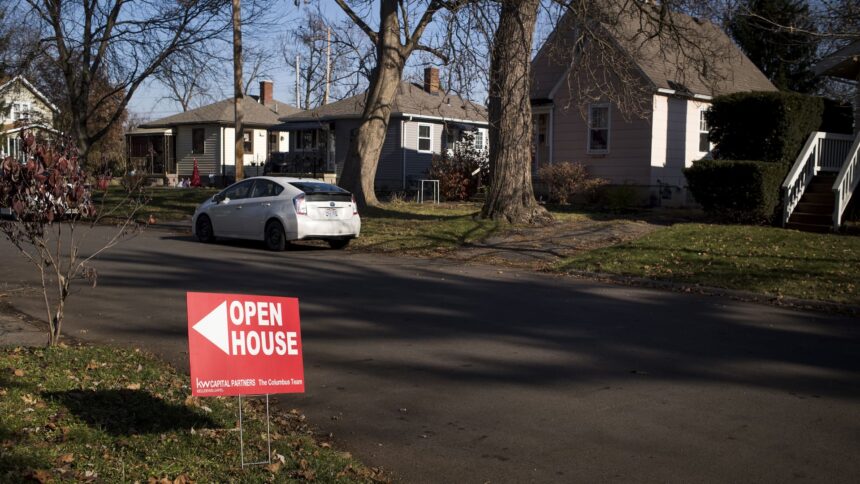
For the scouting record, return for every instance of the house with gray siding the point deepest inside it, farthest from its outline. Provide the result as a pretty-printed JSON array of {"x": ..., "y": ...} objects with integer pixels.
[
  {"x": 424, "y": 121},
  {"x": 170, "y": 146},
  {"x": 650, "y": 148}
]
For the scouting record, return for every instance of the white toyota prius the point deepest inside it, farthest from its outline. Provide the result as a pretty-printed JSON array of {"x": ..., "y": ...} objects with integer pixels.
[{"x": 277, "y": 210}]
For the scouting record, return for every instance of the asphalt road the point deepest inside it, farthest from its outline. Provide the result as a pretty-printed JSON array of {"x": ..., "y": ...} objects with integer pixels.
[{"x": 443, "y": 372}]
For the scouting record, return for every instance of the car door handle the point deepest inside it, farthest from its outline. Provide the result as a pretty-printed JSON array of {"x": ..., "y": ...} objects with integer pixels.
[
  {"x": 239, "y": 207},
  {"x": 267, "y": 204}
]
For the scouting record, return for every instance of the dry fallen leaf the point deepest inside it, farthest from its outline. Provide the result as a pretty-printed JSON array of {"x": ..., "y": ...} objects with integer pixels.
[
  {"x": 133, "y": 386},
  {"x": 274, "y": 467},
  {"x": 19, "y": 372},
  {"x": 41, "y": 475},
  {"x": 66, "y": 458}
]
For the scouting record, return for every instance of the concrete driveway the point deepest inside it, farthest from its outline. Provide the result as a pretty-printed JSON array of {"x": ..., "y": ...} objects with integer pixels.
[{"x": 444, "y": 372}]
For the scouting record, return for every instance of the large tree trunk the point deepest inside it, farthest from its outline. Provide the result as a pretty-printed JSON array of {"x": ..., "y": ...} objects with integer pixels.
[
  {"x": 511, "y": 196},
  {"x": 239, "y": 92},
  {"x": 359, "y": 169}
]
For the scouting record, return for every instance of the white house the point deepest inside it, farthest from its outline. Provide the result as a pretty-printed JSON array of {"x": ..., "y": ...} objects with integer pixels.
[
  {"x": 650, "y": 151},
  {"x": 23, "y": 108},
  {"x": 170, "y": 145}
]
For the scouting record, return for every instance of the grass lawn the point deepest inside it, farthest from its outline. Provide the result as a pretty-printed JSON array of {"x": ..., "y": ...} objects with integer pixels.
[
  {"x": 421, "y": 228},
  {"x": 165, "y": 204},
  {"x": 99, "y": 414},
  {"x": 768, "y": 260}
]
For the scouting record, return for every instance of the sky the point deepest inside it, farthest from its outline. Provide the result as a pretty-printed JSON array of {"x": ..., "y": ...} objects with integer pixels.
[{"x": 149, "y": 101}]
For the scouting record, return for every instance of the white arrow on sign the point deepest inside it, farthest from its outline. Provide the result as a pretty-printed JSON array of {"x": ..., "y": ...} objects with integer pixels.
[{"x": 214, "y": 327}]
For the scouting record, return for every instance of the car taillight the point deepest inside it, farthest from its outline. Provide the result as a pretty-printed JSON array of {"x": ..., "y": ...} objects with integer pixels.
[
  {"x": 354, "y": 206},
  {"x": 301, "y": 205}
]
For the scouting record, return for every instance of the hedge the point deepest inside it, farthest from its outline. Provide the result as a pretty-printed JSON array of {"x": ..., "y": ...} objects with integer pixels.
[
  {"x": 767, "y": 126},
  {"x": 737, "y": 191}
]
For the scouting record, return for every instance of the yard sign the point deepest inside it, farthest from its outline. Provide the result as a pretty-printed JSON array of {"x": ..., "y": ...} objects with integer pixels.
[{"x": 244, "y": 345}]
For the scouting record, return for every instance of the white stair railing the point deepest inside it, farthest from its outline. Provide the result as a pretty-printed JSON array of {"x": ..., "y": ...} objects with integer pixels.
[
  {"x": 822, "y": 152},
  {"x": 846, "y": 182}
]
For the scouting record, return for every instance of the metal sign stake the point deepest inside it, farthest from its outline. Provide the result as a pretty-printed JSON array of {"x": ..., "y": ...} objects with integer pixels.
[{"x": 242, "y": 437}]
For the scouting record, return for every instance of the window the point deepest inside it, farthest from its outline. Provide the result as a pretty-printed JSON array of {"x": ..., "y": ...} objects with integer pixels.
[
  {"x": 248, "y": 137},
  {"x": 425, "y": 141},
  {"x": 19, "y": 112},
  {"x": 479, "y": 139},
  {"x": 450, "y": 137},
  {"x": 239, "y": 190},
  {"x": 598, "y": 128},
  {"x": 704, "y": 143},
  {"x": 306, "y": 139},
  {"x": 266, "y": 188},
  {"x": 198, "y": 138}
]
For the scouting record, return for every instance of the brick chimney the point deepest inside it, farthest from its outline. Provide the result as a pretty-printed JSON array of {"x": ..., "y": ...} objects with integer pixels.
[
  {"x": 266, "y": 88},
  {"x": 431, "y": 80}
]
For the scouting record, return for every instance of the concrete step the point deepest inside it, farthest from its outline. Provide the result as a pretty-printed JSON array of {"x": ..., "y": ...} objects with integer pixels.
[
  {"x": 817, "y": 208},
  {"x": 811, "y": 218},
  {"x": 809, "y": 227}
]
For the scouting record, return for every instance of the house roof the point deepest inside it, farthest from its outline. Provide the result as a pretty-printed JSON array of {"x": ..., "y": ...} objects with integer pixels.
[
  {"x": 411, "y": 100},
  {"x": 844, "y": 63},
  {"x": 658, "y": 59},
  {"x": 4, "y": 83},
  {"x": 221, "y": 112}
]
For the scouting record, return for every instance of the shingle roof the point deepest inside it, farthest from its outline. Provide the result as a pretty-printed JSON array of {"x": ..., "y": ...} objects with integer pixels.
[
  {"x": 221, "y": 112},
  {"x": 659, "y": 60},
  {"x": 411, "y": 99}
]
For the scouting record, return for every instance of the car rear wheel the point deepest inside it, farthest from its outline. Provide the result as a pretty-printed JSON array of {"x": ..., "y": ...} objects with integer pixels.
[
  {"x": 276, "y": 239},
  {"x": 204, "y": 230},
  {"x": 338, "y": 244}
]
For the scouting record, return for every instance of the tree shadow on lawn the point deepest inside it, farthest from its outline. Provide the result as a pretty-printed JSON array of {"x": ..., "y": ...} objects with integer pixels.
[{"x": 122, "y": 412}]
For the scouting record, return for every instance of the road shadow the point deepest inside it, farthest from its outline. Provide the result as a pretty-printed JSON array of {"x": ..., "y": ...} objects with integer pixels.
[{"x": 122, "y": 412}]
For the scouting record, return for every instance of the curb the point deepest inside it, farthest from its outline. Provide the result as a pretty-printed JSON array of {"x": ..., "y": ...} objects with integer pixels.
[{"x": 736, "y": 294}]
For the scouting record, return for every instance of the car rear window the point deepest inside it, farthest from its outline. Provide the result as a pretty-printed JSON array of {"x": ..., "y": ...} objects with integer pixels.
[{"x": 322, "y": 192}]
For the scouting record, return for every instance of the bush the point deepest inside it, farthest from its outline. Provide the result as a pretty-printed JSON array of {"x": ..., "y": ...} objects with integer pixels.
[
  {"x": 564, "y": 180},
  {"x": 620, "y": 198},
  {"x": 455, "y": 170},
  {"x": 768, "y": 126},
  {"x": 737, "y": 191}
]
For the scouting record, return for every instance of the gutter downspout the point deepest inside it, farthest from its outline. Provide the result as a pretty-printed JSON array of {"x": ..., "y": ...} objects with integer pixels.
[{"x": 403, "y": 148}]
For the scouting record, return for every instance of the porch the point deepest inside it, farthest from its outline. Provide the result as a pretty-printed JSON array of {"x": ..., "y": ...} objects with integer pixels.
[{"x": 151, "y": 151}]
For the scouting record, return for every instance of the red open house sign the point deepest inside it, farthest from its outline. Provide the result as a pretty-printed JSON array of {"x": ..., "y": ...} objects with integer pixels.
[{"x": 242, "y": 345}]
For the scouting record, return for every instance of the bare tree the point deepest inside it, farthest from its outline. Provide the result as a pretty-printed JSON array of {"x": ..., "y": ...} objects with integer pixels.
[
  {"x": 396, "y": 38},
  {"x": 126, "y": 41},
  {"x": 311, "y": 42},
  {"x": 256, "y": 64},
  {"x": 189, "y": 78}
]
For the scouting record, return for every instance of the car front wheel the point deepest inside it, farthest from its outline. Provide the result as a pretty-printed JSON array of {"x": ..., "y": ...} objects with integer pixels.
[
  {"x": 204, "y": 230},
  {"x": 276, "y": 239}
]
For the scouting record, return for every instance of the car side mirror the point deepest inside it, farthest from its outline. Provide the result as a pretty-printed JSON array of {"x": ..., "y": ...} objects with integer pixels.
[{"x": 219, "y": 198}]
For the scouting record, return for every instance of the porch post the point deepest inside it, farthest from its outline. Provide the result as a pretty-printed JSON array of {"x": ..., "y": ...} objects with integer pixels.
[{"x": 857, "y": 106}]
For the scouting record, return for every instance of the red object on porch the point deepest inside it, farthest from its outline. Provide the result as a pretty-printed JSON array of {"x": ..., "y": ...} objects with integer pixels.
[{"x": 195, "y": 176}]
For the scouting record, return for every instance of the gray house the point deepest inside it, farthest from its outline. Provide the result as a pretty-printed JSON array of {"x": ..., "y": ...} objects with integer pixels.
[{"x": 424, "y": 121}]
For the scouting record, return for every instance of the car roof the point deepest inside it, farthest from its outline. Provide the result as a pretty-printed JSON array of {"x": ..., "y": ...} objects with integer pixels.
[{"x": 287, "y": 179}]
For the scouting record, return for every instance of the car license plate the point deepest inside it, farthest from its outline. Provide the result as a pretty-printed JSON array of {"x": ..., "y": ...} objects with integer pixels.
[{"x": 331, "y": 213}]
